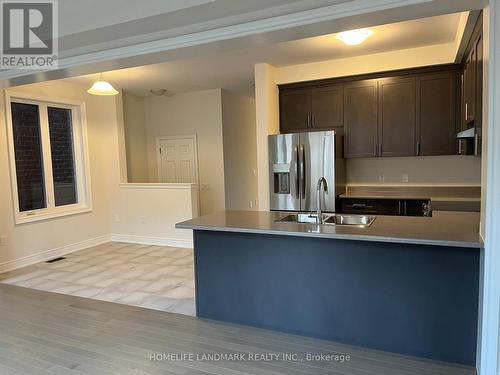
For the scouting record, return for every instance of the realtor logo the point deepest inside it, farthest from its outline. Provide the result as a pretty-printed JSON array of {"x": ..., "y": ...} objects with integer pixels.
[{"x": 29, "y": 34}]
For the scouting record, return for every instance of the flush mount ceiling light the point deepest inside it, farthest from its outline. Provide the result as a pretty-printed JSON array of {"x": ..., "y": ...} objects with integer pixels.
[
  {"x": 354, "y": 37},
  {"x": 101, "y": 87}
]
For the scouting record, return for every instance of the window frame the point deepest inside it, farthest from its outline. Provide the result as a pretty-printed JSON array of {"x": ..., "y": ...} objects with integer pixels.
[{"x": 80, "y": 151}]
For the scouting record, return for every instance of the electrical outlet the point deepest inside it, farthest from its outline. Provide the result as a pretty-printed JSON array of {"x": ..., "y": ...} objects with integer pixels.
[
  {"x": 250, "y": 203},
  {"x": 381, "y": 178},
  {"x": 405, "y": 177},
  {"x": 3, "y": 241},
  {"x": 117, "y": 218}
]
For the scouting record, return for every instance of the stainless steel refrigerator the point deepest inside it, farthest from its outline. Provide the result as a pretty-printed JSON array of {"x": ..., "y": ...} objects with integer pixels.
[{"x": 296, "y": 163}]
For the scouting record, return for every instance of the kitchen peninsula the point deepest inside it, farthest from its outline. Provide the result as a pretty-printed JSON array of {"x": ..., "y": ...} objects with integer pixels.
[{"x": 408, "y": 285}]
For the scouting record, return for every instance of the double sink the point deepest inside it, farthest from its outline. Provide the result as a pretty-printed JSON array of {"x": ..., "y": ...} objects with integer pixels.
[{"x": 330, "y": 219}]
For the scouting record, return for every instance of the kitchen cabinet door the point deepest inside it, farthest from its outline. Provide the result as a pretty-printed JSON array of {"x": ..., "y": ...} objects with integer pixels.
[
  {"x": 360, "y": 119},
  {"x": 436, "y": 101},
  {"x": 327, "y": 107},
  {"x": 359, "y": 206},
  {"x": 396, "y": 116},
  {"x": 478, "y": 116},
  {"x": 469, "y": 89},
  {"x": 295, "y": 110}
]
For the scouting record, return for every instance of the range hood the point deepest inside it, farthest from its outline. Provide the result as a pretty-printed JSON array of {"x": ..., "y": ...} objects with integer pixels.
[
  {"x": 469, "y": 133},
  {"x": 469, "y": 142}
]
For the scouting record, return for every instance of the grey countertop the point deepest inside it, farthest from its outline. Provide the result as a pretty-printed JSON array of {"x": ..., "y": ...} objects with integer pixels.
[{"x": 444, "y": 228}]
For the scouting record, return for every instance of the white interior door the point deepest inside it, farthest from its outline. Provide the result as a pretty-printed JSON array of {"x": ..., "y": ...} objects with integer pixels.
[{"x": 177, "y": 159}]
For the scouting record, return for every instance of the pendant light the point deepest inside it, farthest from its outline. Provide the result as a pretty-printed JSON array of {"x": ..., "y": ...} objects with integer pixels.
[{"x": 101, "y": 87}]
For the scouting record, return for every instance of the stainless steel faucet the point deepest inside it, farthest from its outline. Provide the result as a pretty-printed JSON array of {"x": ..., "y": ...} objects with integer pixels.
[{"x": 322, "y": 187}]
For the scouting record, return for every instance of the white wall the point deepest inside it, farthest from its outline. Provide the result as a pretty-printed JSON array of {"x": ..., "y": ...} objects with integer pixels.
[
  {"x": 240, "y": 150},
  {"x": 200, "y": 113},
  {"x": 489, "y": 322},
  {"x": 445, "y": 170},
  {"x": 485, "y": 111},
  {"x": 267, "y": 122},
  {"x": 378, "y": 62},
  {"x": 147, "y": 213},
  {"x": 30, "y": 239},
  {"x": 135, "y": 138}
]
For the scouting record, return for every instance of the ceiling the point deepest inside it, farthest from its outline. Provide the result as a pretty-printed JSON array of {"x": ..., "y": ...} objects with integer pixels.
[
  {"x": 150, "y": 20},
  {"x": 235, "y": 69}
]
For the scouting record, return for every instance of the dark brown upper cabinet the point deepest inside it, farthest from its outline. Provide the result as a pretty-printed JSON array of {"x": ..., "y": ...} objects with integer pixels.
[
  {"x": 436, "y": 113},
  {"x": 316, "y": 108},
  {"x": 402, "y": 113},
  {"x": 396, "y": 116},
  {"x": 471, "y": 89},
  {"x": 469, "y": 77},
  {"x": 327, "y": 110},
  {"x": 295, "y": 109},
  {"x": 360, "y": 119}
]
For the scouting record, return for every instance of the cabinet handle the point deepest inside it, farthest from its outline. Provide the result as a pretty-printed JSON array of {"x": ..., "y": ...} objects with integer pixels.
[
  {"x": 418, "y": 148},
  {"x": 308, "y": 122},
  {"x": 380, "y": 149},
  {"x": 313, "y": 121},
  {"x": 359, "y": 205},
  {"x": 459, "y": 147},
  {"x": 476, "y": 145},
  {"x": 374, "y": 148},
  {"x": 466, "y": 110}
]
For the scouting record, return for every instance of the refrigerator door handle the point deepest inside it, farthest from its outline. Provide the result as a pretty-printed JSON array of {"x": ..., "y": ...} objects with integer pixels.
[
  {"x": 297, "y": 171},
  {"x": 302, "y": 172}
]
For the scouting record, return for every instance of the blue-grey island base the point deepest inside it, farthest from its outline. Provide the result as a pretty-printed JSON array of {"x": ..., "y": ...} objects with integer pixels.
[{"x": 413, "y": 299}]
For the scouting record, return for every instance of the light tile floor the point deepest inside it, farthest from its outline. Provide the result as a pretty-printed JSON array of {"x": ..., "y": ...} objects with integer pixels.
[{"x": 155, "y": 277}]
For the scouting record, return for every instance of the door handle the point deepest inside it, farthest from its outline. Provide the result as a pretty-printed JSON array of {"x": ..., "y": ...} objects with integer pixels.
[
  {"x": 302, "y": 172},
  {"x": 297, "y": 172}
]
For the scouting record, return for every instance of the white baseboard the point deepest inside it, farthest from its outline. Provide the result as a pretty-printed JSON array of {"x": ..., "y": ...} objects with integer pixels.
[
  {"x": 71, "y": 248},
  {"x": 145, "y": 240},
  {"x": 52, "y": 253}
]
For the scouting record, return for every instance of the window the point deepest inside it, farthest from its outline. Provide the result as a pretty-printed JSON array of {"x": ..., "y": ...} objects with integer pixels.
[{"x": 49, "y": 161}]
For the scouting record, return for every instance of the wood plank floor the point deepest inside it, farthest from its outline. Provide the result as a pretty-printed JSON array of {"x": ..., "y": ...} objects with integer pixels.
[{"x": 49, "y": 333}]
